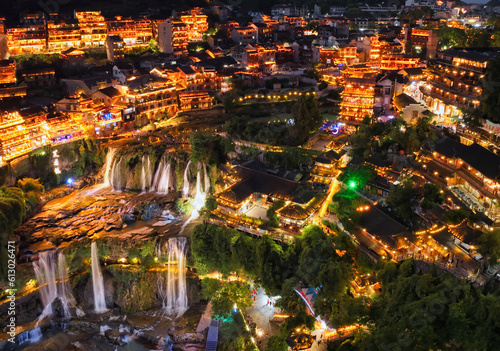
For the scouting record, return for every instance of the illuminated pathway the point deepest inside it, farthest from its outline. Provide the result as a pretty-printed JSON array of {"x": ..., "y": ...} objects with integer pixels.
[
  {"x": 332, "y": 190},
  {"x": 318, "y": 332},
  {"x": 261, "y": 314}
]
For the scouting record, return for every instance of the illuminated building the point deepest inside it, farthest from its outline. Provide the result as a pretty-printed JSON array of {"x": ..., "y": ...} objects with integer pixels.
[
  {"x": 4, "y": 47},
  {"x": 143, "y": 31},
  {"x": 295, "y": 21},
  {"x": 172, "y": 36},
  {"x": 196, "y": 23},
  {"x": 151, "y": 96},
  {"x": 248, "y": 57},
  {"x": 12, "y": 91},
  {"x": 92, "y": 29},
  {"x": 408, "y": 108},
  {"x": 194, "y": 100},
  {"x": 289, "y": 10},
  {"x": 378, "y": 48},
  {"x": 14, "y": 138},
  {"x": 40, "y": 76},
  {"x": 108, "y": 120},
  {"x": 454, "y": 81},
  {"x": 73, "y": 56},
  {"x": 196, "y": 78},
  {"x": 2, "y": 25},
  {"x": 263, "y": 31},
  {"x": 114, "y": 48},
  {"x": 134, "y": 32},
  {"x": 30, "y": 37},
  {"x": 123, "y": 27},
  {"x": 35, "y": 121},
  {"x": 7, "y": 71},
  {"x": 419, "y": 39},
  {"x": 472, "y": 172},
  {"x": 260, "y": 57},
  {"x": 63, "y": 32},
  {"x": 79, "y": 108},
  {"x": 62, "y": 129},
  {"x": 398, "y": 61},
  {"x": 251, "y": 184},
  {"x": 244, "y": 35},
  {"x": 358, "y": 97},
  {"x": 337, "y": 55},
  {"x": 283, "y": 54}
]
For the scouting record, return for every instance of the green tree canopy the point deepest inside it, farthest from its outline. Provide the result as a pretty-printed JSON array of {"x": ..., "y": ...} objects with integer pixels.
[
  {"x": 306, "y": 116},
  {"x": 209, "y": 148},
  {"x": 489, "y": 245},
  {"x": 451, "y": 37},
  {"x": 490, "y": 102}
]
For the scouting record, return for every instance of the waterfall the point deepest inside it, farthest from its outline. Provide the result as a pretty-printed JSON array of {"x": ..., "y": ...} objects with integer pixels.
[
  {"x": 198, "y": 181},
  {"x": 65, "y": 294},
  {"x": 31, "y": 336},
  {"x": 45, "y": 271},
  {"x": 199, "y": 198},
  {"x": 116, "y": 176},
  {"x": 172, "y": 284},
  {"x": 97, "y": 281},
  {"x": 207, "y": 181},
  {"x": 161, "y": 181},
  {"x": 108, "y": 166},
  {"x": 185, "y": 189},
  {"x": 145, "y": 172},
  {"x": 51, "y": 288}
]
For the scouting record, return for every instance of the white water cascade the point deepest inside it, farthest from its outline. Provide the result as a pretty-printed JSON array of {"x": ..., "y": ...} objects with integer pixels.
[
  {"x": 65, "y": 294},
  {"x": 108, "y": 166},
  {"x": 116, "y": 176},
  {"x": 53, "y": 286},
  {"x": 97, "y": 281},
  {"x": 199, "y": 198},
  {"x": 145, "y": 173},
  {"x": 172, "y": 283},
  {"x": 161, "y": 181},
  {"x": 45, "y": 271},
  {"x": 185, "y": 189},
  {"x": 31, "y": 336}
]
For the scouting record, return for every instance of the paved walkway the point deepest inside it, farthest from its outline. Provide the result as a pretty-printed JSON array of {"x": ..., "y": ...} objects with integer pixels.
[{"x": 260, "y": 313}]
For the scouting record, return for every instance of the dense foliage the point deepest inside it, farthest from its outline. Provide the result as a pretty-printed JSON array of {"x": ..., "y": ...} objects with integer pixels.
[
  {"x": 314, "y": 259},
  {"x": 427, "y": 312},
  {"x": 305, "y": 118},
  {"x": 14, "y": 204},
  {"x": 211, "y": 149},
  {"x": 391, "y": 136},
  {"x": 490, "y": 103}
]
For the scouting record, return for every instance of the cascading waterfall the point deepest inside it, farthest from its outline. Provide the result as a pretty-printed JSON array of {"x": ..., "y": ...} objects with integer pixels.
[
  {"x": 207, "y": 181},
  {"x": 108, "y": 166},
  {"x": 161, "y": 181},
  {"x": 185, "y": 189},
  {"x": 199, "y": 198},
  {"x": 145, "y": 172},
  {"x": 116, "y": 176},
  {"x": 45, "y": 271},
  {"x": 51, "y": 288},
  {"x": 172, "y": 284},
  {"x": 97, "y": 281},
  {"x": 31, "y": 336},
  {"x": 65, "y": 294}
]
